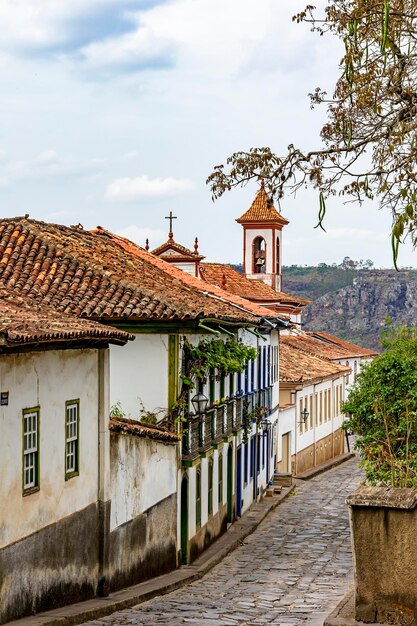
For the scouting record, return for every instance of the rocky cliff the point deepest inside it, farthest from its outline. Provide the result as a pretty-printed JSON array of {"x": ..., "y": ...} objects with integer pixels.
[{"x": 358, "y": 311}]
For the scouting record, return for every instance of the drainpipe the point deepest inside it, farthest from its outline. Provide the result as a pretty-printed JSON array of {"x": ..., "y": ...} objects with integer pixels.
[
  {"x": 333, "y": 410},
  {"x": 295, "y": 434},
  {"x": 255, "y": 475},
  {"x": 103, "y": 483},
  {"x": 210, "y": 330},
  {"x": 315, "y": 400}
]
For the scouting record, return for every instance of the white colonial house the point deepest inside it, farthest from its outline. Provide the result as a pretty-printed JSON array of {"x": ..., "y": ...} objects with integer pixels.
[
  {"x": 54, "y": 459},
  {"x": 346, "y": 353},
  {"x": 109, "y": 279},
  {"x": 312, "y": 390}
]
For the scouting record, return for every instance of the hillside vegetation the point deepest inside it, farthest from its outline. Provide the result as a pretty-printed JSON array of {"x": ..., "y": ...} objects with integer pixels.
[
  {"x": 354, "y": 304},
  {"x": 314, "y": 282}
]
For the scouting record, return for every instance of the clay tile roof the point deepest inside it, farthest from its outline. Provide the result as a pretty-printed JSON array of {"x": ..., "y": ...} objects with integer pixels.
[
  {"x": 309, "y": 343},
  {"x": 349, "y": 348},
  {"x": 256, "y": 290},
  {"x": 28, "y": 323},
  {"x": 262, "y": 210},
  {"x": 89, "y": 274},
  {"x": 297, "y": 365},
  {"x": 130, "y": 427},
  {"x": 203, "y": 287},
  {"x": 172, "y": 249}
]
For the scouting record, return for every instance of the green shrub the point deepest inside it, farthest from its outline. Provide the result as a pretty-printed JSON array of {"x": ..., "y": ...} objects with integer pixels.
[{"x": 383, "y": 412}]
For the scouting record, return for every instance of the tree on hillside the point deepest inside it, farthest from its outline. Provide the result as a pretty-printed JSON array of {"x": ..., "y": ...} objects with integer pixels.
[
  {"x": 369, "y": 142},
  {"x": 348, "y": 264}
]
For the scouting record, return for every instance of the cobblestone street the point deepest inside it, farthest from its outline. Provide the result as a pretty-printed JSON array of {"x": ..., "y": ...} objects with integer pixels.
[{"x": 292, "y": 570}]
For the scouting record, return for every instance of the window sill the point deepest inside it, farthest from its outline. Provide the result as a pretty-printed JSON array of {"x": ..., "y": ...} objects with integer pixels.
[
  {"x": 71, "y": 475},
  {"x": 30, "y": 491}
]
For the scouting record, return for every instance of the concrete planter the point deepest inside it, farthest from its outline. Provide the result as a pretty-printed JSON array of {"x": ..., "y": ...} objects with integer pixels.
[{"x": 384, "y": 533}]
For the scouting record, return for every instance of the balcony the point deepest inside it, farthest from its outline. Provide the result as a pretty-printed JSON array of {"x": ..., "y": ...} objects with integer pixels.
[{"x": 202, "y": 432}]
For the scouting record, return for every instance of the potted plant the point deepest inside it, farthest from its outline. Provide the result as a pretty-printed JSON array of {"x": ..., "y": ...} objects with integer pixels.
[{"x": 383, "y": 412}]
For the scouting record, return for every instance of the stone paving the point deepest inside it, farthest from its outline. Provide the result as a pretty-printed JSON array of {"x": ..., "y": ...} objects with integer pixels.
[{"x": 292, "y": 570}]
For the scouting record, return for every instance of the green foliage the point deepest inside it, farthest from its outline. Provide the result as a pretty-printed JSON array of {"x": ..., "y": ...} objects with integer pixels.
[
  {"x": 258, "y": 413},
  {"x": 227, "y": 357},
  {"x": 313, "y": 282},
  {"x": 368, "y": 147},
  {"x": 149, "y": 418},
  {"x": 116, "y": 410},
  {"x": 394, "y": 335},
  {"x": 383, "y": 410},
  {"x": 223, "y": 357}
]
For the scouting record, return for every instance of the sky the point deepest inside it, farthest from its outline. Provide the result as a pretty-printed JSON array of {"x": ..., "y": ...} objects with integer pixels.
[{"x": 114, "y": 112}]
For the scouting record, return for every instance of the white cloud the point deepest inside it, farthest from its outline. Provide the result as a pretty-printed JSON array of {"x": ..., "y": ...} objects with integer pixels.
[
  {"x": 37, "y": 24},
  {"x": 242, "y": 71},
  {"x": 48, "y": 164},
  {"x": 140, "y": 235},
  {"x": 46, "y": 158},
  {"x": 142, "y": 48},
  {"x": 143, "y": 186},
  {"x": 211, "y": 36}
]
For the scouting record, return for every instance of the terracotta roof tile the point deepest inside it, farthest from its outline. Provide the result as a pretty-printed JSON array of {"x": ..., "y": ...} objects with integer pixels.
[
  {"x": 298, "y": 366},
  {"x": 132, "y": 427},
  {"x": 28, "y": 323},
  {"x": 172, "y": 249},
  {"x": 311, "y": 344},
  {"x": 351, "y": 349},
  {"x": 193, "y": 282},
  {"x": 256, "y": 290},
  {"x": 262, "y": 210},
  {"x": 90, "y": 274}
]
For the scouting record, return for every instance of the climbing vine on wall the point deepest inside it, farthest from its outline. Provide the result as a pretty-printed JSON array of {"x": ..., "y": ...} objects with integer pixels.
[{"x": 224, "y": 357}]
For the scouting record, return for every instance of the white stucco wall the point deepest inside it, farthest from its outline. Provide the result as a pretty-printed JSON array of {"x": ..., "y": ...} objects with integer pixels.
[
  {"x": 286, "y": 424},
  {"x": 47, "y": 380},
  {"x": 314, "y": 430},
  {"x": 190, "y": 268},
  {"x": 143, "y": 473},
  {"x": 360, "y": 363},
  {"x": 191, "y": 472},
  {"x": 139, "y": 374}
]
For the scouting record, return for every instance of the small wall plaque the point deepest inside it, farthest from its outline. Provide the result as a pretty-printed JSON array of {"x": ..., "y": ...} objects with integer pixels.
[{"x": 4, "y": 398}]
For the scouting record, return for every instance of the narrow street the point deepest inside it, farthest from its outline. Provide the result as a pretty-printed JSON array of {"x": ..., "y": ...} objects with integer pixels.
[{"x": 292, "y": 570}]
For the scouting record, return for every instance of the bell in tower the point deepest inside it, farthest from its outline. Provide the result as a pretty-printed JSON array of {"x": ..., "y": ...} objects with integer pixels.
[{"x": 262, "y": 231}]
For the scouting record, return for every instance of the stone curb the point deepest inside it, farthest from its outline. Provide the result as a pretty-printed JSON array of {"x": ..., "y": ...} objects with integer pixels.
[
  {"x": 343, "y": 614},
  {"x": 95, "y": 608}
]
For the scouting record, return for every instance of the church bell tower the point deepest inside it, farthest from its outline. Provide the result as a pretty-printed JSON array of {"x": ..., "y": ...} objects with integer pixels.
[{"x": 262, "y": 240}]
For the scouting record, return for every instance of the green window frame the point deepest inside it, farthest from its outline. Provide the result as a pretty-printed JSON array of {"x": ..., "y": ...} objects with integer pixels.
[
  {"x": 198, "y": 498},
  {"x": 231, "y": 384},
  {"x": 72, "y": 438},
  {"x": 212, "y": 386},
  {"x": 30, "y": 450},
  {"x": 210, "y": 487},
  {"x": 222, "y": 387}
]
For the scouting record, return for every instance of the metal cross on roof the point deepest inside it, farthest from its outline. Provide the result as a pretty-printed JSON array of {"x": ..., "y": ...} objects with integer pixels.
[{"x": 170, "y": 217}]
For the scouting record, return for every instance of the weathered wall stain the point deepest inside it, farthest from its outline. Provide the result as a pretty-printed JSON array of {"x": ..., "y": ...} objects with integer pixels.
[
  {"x": 52, "y": 567},
  {"x": 145, "y": 546}
]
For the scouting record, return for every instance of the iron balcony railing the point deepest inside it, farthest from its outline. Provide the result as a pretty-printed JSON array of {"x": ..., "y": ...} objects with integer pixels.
[{"x": 202, "y": 432}]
